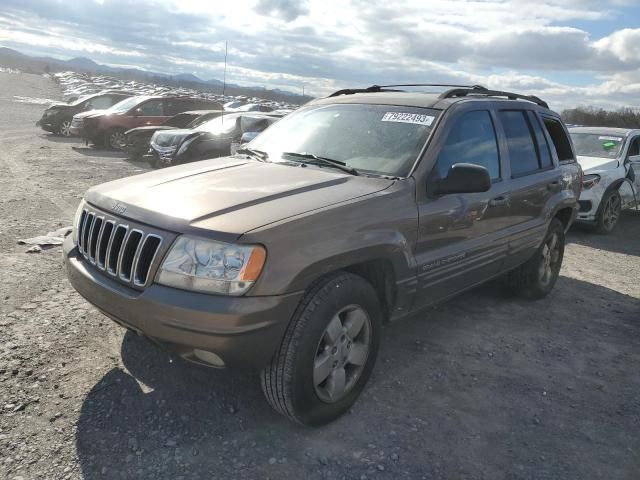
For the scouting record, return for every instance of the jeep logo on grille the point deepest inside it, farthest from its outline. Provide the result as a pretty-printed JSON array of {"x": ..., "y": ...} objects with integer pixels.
[{"x": 119, "y": 208}]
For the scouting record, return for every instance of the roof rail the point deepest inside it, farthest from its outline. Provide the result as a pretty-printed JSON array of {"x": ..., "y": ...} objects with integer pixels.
[
  {"x": 390, "y": 88},
  {"x": 481, "y": 91}
]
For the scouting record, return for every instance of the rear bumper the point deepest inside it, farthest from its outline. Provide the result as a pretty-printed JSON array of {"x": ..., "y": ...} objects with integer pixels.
[{"x": 242, "y": 331}]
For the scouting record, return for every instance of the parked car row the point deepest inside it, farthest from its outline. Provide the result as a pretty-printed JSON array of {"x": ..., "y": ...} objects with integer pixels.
[{"x": 358, "y": 209}]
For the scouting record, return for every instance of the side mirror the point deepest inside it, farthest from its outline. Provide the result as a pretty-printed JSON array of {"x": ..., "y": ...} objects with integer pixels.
[
  {"x": 464, "y": 178},
  {"x": 248, "y": 136},
  {"x": 137, "y": 112}
]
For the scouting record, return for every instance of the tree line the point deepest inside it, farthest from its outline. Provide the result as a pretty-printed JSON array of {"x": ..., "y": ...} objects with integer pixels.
[{"x": 598, "y": 117}]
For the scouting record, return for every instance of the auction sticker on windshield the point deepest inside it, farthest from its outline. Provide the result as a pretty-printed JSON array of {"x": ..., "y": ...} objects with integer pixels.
[{"x": 402, "y": 117}]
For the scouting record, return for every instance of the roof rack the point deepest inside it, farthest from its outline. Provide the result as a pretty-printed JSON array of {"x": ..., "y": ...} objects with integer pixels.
[
  {"x": 391, "y": 88},
  {"x": 481, "y": 91},
  {"x": 456, "y": 91}
]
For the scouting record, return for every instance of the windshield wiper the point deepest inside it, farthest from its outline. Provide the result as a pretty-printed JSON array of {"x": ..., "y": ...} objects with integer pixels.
[
  {"x": 252, "y": 152},
  {"x": 327, "y": 161}
]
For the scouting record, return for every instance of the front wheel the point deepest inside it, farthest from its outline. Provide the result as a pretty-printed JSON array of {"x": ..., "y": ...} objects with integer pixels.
[
  {"x": 114, "y": 139},
  {"x": 65, "y": 128},
  {"x": 328, "y": 351},
  {"x": 609, "y": 213},
  {"x": 536, "y": 277}
]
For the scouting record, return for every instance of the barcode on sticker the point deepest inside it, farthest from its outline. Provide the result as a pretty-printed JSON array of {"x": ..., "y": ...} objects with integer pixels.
[
  {"x": 613, "y": 139},
  {"x": 402, "y": 117}
]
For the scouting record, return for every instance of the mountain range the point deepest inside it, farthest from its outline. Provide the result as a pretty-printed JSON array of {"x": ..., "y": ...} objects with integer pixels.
[{"x": 13, "y": 59}]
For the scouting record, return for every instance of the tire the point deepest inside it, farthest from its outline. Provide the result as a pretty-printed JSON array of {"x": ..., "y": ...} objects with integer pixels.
[
  {"x": 535, "y": 278},
  {"x": 64, "y": 129},
  {"x": 610, "y": 210},
  {"x": 314, "y": 346},
  {"x": 113, "y": 138}
]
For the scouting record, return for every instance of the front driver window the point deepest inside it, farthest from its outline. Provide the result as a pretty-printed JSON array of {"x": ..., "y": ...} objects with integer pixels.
[
  {"x": 472, "y": 139},
  {"x": 152, "y": 108}
]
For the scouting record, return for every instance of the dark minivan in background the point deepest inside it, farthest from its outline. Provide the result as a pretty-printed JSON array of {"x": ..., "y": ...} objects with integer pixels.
[
  {"x": 108, "y": 127},
  {"x": 57, "y": 118}
]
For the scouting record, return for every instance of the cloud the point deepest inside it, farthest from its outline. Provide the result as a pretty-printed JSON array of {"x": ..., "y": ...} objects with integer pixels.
[
  {"x": 289, "y": 10},
  {"x": 330, "y": 44}
]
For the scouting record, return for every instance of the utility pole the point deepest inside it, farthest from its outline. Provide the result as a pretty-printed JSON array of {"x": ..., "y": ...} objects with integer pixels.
[{"x": 224, "y": 77}]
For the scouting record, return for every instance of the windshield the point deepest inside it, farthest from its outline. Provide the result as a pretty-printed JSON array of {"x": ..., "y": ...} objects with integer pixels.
[
  {"x": 126, "y": 105},
  {"x": 79, "y": 100},
  {"x": 597, "y": 145},
  {"x": 220, "y": 125},
  {"x": 379, "y": 139}
]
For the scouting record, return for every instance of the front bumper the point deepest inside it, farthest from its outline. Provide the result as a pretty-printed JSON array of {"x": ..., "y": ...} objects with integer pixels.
[
  {"x": 47, "y": 125},
  {"x": 242, "y": 331},
  {"x": 588, "y": 204}
]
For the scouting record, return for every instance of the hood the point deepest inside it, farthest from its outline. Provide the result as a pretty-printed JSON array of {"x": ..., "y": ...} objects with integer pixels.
[
  {"x": 150, "y": 128},
  {"x": 90, "y": 114},
  {"x": 228, "y": 196},
  {"x": 592, "y": 164},
  {"x": 61, "y": 106}
]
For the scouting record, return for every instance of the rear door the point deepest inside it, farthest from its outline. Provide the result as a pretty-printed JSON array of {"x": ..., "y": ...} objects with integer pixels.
[
  {"x": 534, "y": 180},
  {"x": 461, "y": 240}
]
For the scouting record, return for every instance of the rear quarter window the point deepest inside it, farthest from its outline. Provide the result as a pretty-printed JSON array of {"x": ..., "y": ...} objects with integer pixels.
[{"x": 560, "y": 140}]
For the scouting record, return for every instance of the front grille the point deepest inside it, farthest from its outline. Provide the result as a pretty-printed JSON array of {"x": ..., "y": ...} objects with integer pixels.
[{"x": 117, "y": 248}]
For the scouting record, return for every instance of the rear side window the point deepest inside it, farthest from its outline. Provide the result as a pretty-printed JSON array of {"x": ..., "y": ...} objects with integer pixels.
[
  {"x": 523, "y": 155},
  {"x": 472, "y": 139},
  {"x": 543, "y": 147},
  {"x": 560, "y": 140}
]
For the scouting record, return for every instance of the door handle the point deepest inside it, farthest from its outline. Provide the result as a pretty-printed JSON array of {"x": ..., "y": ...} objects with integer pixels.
[
  {"x": 554, "y": 186},
  {"x": 500, "y": 201}
]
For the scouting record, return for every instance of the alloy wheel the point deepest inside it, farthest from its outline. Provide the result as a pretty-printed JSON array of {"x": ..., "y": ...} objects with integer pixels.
[
  {"x": 342, "y": 353},
  {"x": 65, "y": 128},
  {"x": 611, "y": 212},
  {"x": 550, "y": 262},
  {"x": 116, "y": 140}
]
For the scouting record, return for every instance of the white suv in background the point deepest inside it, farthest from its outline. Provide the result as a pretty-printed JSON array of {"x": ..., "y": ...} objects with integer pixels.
[{"x": 610, "y": 159}]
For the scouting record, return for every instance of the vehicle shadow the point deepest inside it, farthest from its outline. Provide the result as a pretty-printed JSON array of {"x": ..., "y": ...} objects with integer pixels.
[
  {"x": 620, "y": 241},
  {"x": 97, "y": 152},
  {"x": 51, "y": 137},
  {"x": 457, "y": 388}
]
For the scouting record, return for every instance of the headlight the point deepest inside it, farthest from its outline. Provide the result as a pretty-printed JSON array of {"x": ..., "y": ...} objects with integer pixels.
[
  {"x": 211, "y": 267},
  {"x": 589, "y": 181},
  {"x": 76, "y": 220},
  {"x": 185, "y": 145}
]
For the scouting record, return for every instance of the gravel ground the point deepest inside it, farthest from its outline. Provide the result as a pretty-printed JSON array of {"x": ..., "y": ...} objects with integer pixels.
[{"x": 483, "y": 387}]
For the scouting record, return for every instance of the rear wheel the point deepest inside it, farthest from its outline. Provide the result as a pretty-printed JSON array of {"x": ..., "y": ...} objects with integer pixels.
[
  {"x": 65, "y": 128},
  {"x": 609, "y": 213},
  {"x": 114, "y": 139},
  {"x": 328, "y": 351},
  {"x": 535, "y": 278}
]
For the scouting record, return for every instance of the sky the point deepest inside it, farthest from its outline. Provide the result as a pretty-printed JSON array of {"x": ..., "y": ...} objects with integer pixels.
[{"x": 568, "y": 52}]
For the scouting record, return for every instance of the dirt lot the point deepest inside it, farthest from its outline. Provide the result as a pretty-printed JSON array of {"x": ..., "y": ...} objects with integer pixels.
[{"x": 483, "y": 387}]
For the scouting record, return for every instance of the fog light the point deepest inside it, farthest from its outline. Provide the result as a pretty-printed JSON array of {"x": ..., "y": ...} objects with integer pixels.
[{"x": 208, "y": 357}]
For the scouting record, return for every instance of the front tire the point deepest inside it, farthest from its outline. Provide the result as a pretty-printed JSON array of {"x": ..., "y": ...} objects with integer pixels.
[
  {"x": 328, "y": 351},
  {"x": 537, "y": 276},
  {"x": 609, "y": 213}
]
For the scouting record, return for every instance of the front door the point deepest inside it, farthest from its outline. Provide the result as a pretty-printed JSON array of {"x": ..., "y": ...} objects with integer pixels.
[
  {"x": 150, "y": 112},
  {"x": 460, "y": 238}
]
